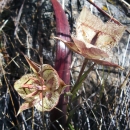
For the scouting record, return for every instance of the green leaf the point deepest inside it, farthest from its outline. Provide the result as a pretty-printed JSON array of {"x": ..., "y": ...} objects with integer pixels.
[{"x": 71, "y": 127}]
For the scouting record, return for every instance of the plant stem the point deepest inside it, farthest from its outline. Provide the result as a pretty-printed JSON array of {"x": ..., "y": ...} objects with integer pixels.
[
  {"x": 82, "y": 70},
  {"x": 62, "y": 63},
  {"x": 78, "y": 84}
]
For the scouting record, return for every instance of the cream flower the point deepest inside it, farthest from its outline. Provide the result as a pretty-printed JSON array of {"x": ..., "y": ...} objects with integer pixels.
[
  {"x": 41, "y": 89},
  {"x": 94, "y": 39}
]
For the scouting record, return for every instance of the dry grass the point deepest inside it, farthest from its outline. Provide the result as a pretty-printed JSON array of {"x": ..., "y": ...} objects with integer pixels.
[{"x": 103, "y": 101}]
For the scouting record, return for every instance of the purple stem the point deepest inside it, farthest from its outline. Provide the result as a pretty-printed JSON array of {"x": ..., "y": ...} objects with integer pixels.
[{"x": 63, "y": 60}]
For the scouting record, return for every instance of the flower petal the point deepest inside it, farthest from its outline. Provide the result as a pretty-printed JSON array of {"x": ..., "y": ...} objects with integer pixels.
[
  {"x": 34, "y": 66},
  {"x": 89, "y": 51},
  {"x": 70, "y": 45},
  {"x": 50, "y": 77},
  {"x": 23, "y": 92},
  {"x": 106, "y": 63},
  {"x": 27, "y": 105},
  {"x": 48, "y": 103},
  {"x": 88, "y": 25}
]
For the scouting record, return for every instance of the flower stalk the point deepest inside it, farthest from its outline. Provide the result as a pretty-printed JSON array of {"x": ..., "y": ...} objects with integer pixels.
[
  {"x": 78, "y": 84},
  {"x": 82, "y": 69}
]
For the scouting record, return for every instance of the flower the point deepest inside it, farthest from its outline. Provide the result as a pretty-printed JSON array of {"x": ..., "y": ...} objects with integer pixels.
[
  {"x": 94, "y": 39},
  {"x": 41, "y": 89}
]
